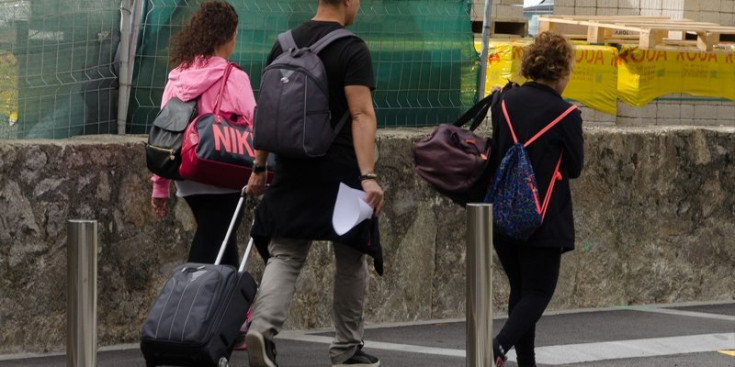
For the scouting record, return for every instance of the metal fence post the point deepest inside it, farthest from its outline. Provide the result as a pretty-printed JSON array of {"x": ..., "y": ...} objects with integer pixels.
[
  {"x": 125, "y": 74},
  {"x": 81, "y": 313},
  {"x": 486, "y": 24},
  {"x": 479, "y": 285}
]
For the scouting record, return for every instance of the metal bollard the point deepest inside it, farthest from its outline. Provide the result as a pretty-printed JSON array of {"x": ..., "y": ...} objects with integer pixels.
[
  {"x": 81, "y": 312},
  {"x": 479, "y": 285}
]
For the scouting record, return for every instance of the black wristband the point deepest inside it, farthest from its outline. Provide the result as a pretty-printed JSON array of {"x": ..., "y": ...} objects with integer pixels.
[
  {"x": 259, "y": 169},
  {"x": 368, "y": 176}
]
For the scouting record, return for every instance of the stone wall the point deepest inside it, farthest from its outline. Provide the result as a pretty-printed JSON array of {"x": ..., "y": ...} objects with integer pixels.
[{"x": 654, "y": 210}]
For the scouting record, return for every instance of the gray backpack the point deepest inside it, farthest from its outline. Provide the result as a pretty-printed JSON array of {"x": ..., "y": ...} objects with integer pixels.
[{"x": 292, "y": 118}]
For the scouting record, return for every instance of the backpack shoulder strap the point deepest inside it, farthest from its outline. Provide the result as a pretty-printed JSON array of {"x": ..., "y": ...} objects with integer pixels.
[
  {"x": 507, "y": 119},
  {"x": 551, "y": 124},
  {"x": 556, "y": 176},
  {"x": 286, "y": 40},
  {"x": 323, "y": 42},
  {"x": 329, "y": 38}
]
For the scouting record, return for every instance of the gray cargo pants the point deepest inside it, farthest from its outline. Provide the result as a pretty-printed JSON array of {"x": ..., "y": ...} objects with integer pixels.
[{"x": 279, "y": 282}]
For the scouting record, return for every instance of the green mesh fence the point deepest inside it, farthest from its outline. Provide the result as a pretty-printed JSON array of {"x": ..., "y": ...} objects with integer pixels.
[
  {"x": 57, "y": 76},
  {"x": 423, "y": 56}
]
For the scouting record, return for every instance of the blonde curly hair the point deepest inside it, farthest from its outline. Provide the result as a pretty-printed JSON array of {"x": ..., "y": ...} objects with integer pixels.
[{"x": 550, "y": 57}]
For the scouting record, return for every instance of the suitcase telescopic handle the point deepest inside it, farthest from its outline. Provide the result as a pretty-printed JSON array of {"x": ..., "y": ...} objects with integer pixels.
[
  {"x": 245, "y": 256},
  {"x": 229, "y": 233}
]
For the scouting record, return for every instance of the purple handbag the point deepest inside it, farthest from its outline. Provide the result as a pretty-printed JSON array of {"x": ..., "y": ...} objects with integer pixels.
[{"x": 453, "y": 159}]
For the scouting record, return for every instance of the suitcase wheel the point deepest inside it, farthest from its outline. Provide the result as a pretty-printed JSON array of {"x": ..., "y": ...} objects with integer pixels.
[{"x": 223, "y": 362}]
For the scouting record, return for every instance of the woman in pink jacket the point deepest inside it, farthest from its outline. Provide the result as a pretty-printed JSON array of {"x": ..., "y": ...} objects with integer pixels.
[{"x": 200, "y": 52}]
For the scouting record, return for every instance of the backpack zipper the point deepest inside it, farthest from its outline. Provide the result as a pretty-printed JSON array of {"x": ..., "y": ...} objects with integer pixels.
[{"x": 170, "y": 152}]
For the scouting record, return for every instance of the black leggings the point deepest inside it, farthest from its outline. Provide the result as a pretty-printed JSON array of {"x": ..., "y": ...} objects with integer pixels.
[
  {"x": 213, "y": 213},
  {"x": 532, "y": 273}
]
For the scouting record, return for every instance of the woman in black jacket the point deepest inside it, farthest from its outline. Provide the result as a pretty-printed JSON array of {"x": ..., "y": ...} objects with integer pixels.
[{"x": 532, "y": 266}]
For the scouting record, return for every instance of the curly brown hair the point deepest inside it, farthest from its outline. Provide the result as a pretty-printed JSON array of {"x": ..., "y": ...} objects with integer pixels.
[
  {"x": 210, "y": 26},
  {"x": 549, "y": 57}
]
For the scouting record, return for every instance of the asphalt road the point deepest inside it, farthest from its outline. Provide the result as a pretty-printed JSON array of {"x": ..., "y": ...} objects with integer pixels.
[{"x": 701, "y": 335}]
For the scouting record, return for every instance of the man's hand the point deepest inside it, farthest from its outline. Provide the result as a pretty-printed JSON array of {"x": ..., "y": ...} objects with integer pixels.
[
  {"x": 257, "y": 181},
  {"x": 374, "y": 196},
  {"x": 256, "y": 184},
  {"x": 160, "y": 206}
]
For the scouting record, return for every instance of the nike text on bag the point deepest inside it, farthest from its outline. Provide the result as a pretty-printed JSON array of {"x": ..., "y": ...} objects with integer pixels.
[
  {"x": 517, "y": 211},
  {"x": 292, "y": 118},
  {"x": 163, "y": 150},
  {"x": 453, "y": 159},
  {"x": 216, "y": 151}
]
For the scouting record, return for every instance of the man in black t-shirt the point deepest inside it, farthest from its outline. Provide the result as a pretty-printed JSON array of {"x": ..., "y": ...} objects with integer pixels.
[{"x": 297, "y": 207}]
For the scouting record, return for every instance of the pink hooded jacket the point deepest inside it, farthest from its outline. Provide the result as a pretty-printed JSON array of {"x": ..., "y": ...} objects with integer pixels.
[{"x": 205, "y": 78}]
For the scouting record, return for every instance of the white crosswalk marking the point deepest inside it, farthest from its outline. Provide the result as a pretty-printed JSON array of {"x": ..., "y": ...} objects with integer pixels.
[
  {"x": 572, "y": 353},
  {"x": 380, "y": 345},
  {"x": 641, "y": 348},
  {"x": 668, "y": 311},
  {"x": 718, "y": 344}
]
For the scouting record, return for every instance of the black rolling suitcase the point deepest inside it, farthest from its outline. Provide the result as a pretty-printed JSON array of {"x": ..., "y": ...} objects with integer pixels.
[{"x": 197, "y": 316}]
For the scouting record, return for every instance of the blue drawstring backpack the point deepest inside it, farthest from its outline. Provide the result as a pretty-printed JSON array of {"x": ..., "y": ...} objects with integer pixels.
[{"x": 517, "y": 211}]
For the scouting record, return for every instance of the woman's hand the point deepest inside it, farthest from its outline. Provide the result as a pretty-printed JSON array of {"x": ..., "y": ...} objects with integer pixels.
[
  {"x": 374, "y": 196},
  {"x": 160, "y": 206}
]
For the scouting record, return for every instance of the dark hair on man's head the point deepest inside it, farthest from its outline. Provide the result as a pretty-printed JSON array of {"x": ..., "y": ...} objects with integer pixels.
[
  {"x": 210, "y": 26},
  {"x": 330, "y": 2},
  {"x": 549, "y": 57}
]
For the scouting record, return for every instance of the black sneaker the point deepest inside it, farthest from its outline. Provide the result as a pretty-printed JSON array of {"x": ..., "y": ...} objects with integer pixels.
[
  {"x": 360, "y": 359},
  {"x": 261, "y": 351}
]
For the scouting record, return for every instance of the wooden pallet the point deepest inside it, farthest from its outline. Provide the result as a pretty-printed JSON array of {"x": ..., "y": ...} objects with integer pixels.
[
  {"x": 650, "y": 32},
  {"x": 513, "y": 27}
]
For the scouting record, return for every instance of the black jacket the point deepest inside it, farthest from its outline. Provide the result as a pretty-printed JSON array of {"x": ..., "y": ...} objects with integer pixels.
[{"x": 531, "y": 107}]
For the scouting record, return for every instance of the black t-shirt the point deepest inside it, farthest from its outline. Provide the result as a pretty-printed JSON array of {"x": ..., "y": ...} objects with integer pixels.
[{"x": 347, "y": 62}]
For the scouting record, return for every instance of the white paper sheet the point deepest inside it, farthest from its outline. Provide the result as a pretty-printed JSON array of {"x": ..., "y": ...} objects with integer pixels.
[{"x": 350, "y": 209}]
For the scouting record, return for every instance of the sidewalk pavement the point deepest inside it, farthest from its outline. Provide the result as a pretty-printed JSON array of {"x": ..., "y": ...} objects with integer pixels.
[{"x": 701, "y": 334}]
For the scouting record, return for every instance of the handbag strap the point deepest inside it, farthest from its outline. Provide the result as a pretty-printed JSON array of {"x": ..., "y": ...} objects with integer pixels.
[
  {"x": 476, "y": 113},
  {"x": 225, "y": 76}
]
